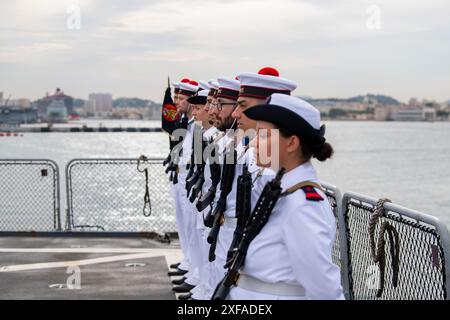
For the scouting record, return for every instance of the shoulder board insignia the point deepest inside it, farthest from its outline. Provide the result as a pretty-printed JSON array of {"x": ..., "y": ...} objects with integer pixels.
[{"x": 311, "y": 194}]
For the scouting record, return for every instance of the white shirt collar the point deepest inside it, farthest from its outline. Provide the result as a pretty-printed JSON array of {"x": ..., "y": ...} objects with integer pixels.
[{"x": 304, "y": 172}]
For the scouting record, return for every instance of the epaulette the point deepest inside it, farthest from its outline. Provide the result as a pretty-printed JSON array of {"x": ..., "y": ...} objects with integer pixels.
[{"x": 311, "y": 194}]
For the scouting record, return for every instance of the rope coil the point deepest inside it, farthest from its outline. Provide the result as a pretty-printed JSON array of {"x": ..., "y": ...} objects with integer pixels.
[
  {"x": 147, "y": 201},
  {"x": 378, "y": 248}
]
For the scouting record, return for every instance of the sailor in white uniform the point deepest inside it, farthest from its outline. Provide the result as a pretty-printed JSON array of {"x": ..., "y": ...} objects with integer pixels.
[
  {"x": 203, "y": 290},
  {"x": 198, "y": 244},
  {"x": 254, "y": 88},
  {"x": 183, "y": 266},
  {"x": 291, "y": 258},
  {"x": 221, "y": 111},
  {"x": 183, "y": 209}
]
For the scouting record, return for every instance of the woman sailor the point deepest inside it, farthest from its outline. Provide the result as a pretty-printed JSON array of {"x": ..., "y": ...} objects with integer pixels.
[{"x": 291, "y": 256}]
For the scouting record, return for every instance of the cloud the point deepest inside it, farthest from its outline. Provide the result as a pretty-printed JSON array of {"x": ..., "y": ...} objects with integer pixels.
[
  {"x": 131, "y": 46},
  {"x": 37, "y": 15}
]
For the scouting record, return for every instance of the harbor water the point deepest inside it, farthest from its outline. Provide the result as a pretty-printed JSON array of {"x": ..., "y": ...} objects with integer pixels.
[{"x": 407, "y": 162}]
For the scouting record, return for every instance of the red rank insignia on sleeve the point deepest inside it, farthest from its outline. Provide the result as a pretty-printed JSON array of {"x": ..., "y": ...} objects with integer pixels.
[{"x": 311, "y": 194}]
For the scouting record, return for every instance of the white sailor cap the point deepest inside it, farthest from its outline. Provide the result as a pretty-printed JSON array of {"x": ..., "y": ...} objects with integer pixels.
[
  {"x": 199, "y": 98},
  {"x": 264, "y": 83},
  {"x": 214, "y": 86},
  {"x": 228, "y": 88},
  {"x": 204, "y": 85},
  {"x": 188, "y": 88},
  {"x": 293, "y": 114},
  {"x": 176, "y": 85}
]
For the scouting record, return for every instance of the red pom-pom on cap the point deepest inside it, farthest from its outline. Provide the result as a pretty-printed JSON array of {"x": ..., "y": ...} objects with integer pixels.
[
  {"x": 185, "y": 80},
  {"x": 237, "y": 78},
  {"x": 269, "y": 71},
  {"x": 194, "y": 83}
]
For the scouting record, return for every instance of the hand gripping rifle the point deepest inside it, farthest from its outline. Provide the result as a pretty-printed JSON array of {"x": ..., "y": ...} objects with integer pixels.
[
  {"x": 229, "y": 171},
  {"x": 167, "y": 159},
  {"x": 243, "y": 208},
  {"x": 171, "y": 165},
  {"x": 258, "y": 219},
  {"x": 216, "y": 172},
  {"x": 197, "y": 188},
  {"x": 176, "y": 149},
  {"x": 194, "y": 174},
  {"x": 169, "y": 156}
]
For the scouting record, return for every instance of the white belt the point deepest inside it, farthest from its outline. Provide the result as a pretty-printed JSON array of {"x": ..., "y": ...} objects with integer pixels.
[
  {"x": 229, "y": 223},
  {"x": 278, "y": 289}
]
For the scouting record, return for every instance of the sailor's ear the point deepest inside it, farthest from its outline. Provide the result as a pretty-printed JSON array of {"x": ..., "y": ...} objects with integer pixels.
[{"x": 292, "y": 144}]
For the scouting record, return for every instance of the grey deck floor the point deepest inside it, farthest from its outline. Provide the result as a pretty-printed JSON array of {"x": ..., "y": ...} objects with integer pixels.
[{"x": 28, "y": 265}]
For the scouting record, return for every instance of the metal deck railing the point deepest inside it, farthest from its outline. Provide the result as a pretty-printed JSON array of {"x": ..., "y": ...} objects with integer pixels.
[
  {"x": 424, "y": 252},
  {"x": 29, "y": 195},
  {"x": 106, "y": 197}
]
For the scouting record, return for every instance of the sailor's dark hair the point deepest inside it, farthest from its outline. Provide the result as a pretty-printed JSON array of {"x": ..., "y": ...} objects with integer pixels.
[{"x": 320, "y": 152}]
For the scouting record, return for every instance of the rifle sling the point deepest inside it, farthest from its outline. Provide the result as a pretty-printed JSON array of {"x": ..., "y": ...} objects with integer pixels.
[{"x": 300, "y": 185}]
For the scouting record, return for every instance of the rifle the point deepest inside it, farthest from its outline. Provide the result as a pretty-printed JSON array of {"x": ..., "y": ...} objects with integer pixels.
[
  {"x": 167, "y": 159},
  {"x": 257, "y": 221},
  {"x": 216, "y": 173},
  {"x": 192, "y": 175},
  {"x": 197, "y": 188},
  {"x": 243, "y": 208},
  {"x": 217, "y": 215},
  {"x": 173, "y": 165}
]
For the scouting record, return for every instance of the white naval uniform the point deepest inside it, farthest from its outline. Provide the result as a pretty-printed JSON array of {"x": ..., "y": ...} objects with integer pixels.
[
  {"x": 184, "y": 263},
  {"x": 203, "y": 290},
  {"x": 179, "y": 216},
  {"x": 185, "y": 213},
  {"x": 295, "y": 246},
  {"x": 226, "y": 232}
]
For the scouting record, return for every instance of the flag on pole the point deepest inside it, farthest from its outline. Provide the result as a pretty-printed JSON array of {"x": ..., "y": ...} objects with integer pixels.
[{"x": 169, "y": 112}]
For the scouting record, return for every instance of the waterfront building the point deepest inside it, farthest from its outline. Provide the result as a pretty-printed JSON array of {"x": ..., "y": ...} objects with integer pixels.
[{"x": 57, "y": 100}]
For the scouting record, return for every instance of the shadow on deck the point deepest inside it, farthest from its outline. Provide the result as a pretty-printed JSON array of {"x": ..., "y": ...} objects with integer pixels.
[{"x": 29, "y": 265}]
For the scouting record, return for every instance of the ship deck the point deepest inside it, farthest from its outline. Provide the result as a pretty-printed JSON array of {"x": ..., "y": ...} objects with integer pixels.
[{"x": 86, "y": 268}]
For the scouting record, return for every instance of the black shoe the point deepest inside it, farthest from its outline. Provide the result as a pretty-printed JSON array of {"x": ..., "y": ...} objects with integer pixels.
[
  {"x": 177, "y": 282},
  {"x": 178, "y": 272},
  {"x": 185, "y": 296},
  {"x": 184, "y": 287},
  {"x": 175, "y": 265}
]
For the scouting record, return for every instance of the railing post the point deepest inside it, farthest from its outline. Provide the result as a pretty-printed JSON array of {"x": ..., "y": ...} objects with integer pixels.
[
  {"x": 343, "y": 245},
  {"x": 68, "y": 222},
  {"x": 445, "y": 241},
  {"x": 58, "y": 196}
]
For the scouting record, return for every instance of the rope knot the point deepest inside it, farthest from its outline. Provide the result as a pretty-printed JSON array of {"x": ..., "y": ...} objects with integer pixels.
[
  {"x": 147, "y": 211},
  {"x": 378, "y": 247}
]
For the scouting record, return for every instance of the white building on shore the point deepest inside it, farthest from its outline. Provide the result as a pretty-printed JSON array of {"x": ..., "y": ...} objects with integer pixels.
[{"x": 100, "y": 104}]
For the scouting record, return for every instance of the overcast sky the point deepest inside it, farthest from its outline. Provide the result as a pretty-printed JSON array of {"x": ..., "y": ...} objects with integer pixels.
[{"x": 128, "y": 48}]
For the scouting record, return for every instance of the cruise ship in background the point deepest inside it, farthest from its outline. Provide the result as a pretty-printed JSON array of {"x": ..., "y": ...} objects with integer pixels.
[{"x": 56, "y": 108}]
